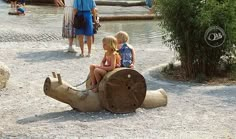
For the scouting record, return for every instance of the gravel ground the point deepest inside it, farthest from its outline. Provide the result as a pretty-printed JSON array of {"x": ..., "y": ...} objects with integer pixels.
[{"x": 195, "y": 111}]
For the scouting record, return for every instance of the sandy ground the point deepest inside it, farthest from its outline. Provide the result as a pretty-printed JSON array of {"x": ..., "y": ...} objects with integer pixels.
[{"x": 194, "y": 111}]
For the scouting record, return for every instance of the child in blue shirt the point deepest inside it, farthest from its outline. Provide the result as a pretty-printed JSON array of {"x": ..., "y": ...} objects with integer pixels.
[
  {"x": 20, "y": 10},
  {"x": 125, "y": 50}
]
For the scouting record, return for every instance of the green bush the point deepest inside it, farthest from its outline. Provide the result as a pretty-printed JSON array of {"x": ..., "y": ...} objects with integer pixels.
[
  {"x": 185, "y": 23},
  {"x": 233, "y": 72}
]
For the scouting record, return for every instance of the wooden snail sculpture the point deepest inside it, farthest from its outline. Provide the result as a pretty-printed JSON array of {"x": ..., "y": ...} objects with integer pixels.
[{"x": 122, "y": 90}]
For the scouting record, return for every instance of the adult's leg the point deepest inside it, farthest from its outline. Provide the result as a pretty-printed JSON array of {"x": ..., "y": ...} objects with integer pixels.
[
  {"x": 93, "y": 39},
  {"x": 70, "y": 42},
  {"x": 89, "y": 31},
  {"x": 14, "y": 6},
  {"x": 89, "y": 43},
  {"x": 71, "y": 49},
  {"x": 61, "y": 3},
  {"x": 81, "y": 44}
]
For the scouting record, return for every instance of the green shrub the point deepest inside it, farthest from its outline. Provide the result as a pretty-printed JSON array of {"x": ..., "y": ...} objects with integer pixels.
[
  {"x": 233, "y": 72},
  {"x": 169, "y": 67},
  {"x": 200, "y": 78},
  {"x": 185, "y": 23}
]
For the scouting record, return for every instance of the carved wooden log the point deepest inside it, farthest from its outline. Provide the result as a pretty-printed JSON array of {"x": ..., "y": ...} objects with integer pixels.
[
  {"x": 62, "y": 91},
  {"x": 155, "y": 98},
  {"x": 128, "y": 17},
  {"x": 118, "y": 92},
  {"x": 120, "y": 3},
  {"x": 121, "y": 90}
]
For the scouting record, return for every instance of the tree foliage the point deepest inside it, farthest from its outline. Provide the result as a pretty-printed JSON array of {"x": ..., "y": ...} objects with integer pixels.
[{"x": 185, "y": 23}]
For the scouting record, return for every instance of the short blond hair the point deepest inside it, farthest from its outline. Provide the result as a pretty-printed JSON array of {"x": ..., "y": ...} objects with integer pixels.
[
  {"x": 122, "y": 36},
  {"x": 111, "y": 42}
]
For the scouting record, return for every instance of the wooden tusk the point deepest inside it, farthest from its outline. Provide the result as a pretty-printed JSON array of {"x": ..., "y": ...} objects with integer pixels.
[
  {"x": 54, "y": 74},
  {"x": 59, "y": 78}
]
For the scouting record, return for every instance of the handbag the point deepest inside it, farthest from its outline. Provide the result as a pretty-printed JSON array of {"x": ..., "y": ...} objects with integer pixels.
[{"x": 79, "y": 20}]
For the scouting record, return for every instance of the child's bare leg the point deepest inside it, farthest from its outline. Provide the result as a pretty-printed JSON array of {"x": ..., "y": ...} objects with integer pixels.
[
  {"x": 99, "y": 74},
  {"x": 92, "y": 76}
]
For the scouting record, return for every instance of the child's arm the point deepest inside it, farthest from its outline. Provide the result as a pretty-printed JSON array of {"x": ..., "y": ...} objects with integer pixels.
[
  {"x": 133, "y": 55},
  {"x": 94, "y": 15},
  {"x": 103, "y": 60},
  {"x": 75, "y": 10},
  {"x": 133, "y": 58}
]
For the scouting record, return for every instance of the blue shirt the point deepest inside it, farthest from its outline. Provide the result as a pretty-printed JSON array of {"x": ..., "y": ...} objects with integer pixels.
[
  {"x": 126, "y": 55},
  {"x": 22, "y": 10},
  {"x": 88, "y": 5}
]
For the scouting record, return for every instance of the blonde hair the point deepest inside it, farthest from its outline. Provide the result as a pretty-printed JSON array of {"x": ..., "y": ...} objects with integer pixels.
[
  {"x": 122, "y": 36},
  {"x": 111, "y": 42}
]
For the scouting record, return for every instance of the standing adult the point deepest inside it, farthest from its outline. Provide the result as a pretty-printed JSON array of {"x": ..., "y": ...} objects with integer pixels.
[
  {"x": 84, "y": 7},
  {"x": 13, "y": 3},
  {"x": 22, "y": 2},
  {"x": 67, "y": 30},
  {"x": 59, "y": 3}
]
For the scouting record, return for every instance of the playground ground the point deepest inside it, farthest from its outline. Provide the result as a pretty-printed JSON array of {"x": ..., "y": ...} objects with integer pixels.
[{"x": 32, "y": 48}]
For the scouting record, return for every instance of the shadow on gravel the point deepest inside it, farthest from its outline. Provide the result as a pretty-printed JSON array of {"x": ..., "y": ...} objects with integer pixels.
[
  {"x": 43, "y": 56},
  {"x": 155, "y": 81},
  {"x": 73, "y": 115},
  {"x": 227, "y": 94}
]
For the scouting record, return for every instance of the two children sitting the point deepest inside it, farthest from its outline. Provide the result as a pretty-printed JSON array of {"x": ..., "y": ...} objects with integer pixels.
[{"x": 118, "y": 54}]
